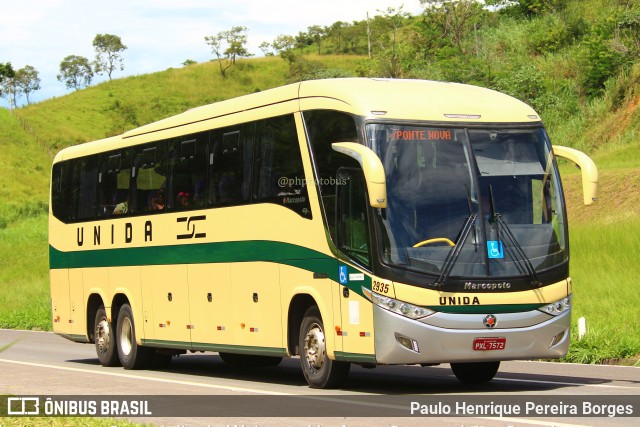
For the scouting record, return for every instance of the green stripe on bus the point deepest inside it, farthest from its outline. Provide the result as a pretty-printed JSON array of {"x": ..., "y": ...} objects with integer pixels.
[
  {"x": 197, "y": 346},
  {"x": 204, "y": 253},
  {"x": 355, "y": 357},
  {"x": 484, "y": 309}
]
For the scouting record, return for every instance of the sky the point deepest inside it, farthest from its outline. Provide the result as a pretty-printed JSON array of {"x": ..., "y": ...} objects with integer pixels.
[{"x": 159, "y": 34}]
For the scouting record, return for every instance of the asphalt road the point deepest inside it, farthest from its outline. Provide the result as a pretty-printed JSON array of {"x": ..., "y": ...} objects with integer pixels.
[{"x": 200, "y": 390}]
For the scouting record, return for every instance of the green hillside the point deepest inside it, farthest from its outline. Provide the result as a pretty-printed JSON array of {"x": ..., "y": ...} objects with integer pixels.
[{"x": 545, "y": 58}]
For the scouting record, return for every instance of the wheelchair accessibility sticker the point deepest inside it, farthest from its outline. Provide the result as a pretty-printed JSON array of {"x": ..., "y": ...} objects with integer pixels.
[
  {"x": 495, "y": 249},
  {"x": 342, "y": 274}
]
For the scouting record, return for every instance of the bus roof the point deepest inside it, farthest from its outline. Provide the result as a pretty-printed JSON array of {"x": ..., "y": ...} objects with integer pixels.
[{"x": 400, "y": 99}]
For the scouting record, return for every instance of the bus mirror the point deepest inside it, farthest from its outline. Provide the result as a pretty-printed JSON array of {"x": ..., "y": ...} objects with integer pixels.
[
  {"x": 372, "y": 169},
  {"x": 588, "y": 168}
]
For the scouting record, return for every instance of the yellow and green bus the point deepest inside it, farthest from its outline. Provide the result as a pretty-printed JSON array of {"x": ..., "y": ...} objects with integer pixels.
[{"x": 366, "y": 221}]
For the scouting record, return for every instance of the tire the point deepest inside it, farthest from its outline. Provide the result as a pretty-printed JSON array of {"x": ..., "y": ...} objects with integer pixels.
[
  {"x": 250, "y": 360},
  {"x": 476, "y": 372},
  {"x": 318, "y": 369},
  {"x": 131, "y": 355},
  {"x": 105, "y": 339}
]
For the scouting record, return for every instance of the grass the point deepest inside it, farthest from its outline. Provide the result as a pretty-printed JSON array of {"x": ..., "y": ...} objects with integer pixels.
[
  {"x": 604, "y": 272},
  {"x": 24, "y": 284}
]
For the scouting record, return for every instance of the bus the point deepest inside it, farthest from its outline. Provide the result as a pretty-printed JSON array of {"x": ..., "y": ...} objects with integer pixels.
[{"x": 343, "y": 221}]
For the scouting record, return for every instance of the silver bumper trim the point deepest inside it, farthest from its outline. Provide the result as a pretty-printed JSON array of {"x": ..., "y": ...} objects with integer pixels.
[{"x": 435, "y": 344}]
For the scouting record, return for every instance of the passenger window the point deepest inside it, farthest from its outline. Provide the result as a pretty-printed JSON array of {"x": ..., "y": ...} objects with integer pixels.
[
  {"x": 61, "y": 191},
  {"x": 84, "y": 188},
  {"x": 279, "y": 172},
  {"x": 114, "y": 183},
  {"x": 323, "y": 129},
  {"x": 189, "y": 172},
  {"x": 151, "y": 178},
  {"x": 230, "y": 164}
]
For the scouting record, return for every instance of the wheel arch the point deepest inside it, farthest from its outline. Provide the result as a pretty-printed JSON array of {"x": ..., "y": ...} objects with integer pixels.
[
  {"x": 299, "y": 304},
  {"x": 94, "y": 302}
]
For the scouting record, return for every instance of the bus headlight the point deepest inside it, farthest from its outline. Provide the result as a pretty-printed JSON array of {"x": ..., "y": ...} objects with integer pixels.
[
  {"x": 557, "y": 307},
  {"x": 399, "y": 307}
]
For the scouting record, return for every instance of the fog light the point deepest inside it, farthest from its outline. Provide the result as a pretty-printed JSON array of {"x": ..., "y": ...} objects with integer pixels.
[
  {"x": 408, "y": 343},
  {"x": 557, "y": 339}
]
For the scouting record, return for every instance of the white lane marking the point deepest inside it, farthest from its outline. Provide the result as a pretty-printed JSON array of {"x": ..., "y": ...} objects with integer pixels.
[
  {"x": 564, "y": 383},
  {"x": 138, "y": 377}
]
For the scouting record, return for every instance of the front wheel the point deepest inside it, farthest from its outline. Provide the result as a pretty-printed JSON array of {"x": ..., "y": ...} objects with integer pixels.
[
  {"x": 318, "y": 369},
  {"x": 131, "y": 355},
  {"x": 105, "y": 339},
  {"x": 476, "y": 372}
]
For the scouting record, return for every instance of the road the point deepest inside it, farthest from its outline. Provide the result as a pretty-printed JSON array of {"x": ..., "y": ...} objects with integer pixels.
[{"x": 43, "y": 364}]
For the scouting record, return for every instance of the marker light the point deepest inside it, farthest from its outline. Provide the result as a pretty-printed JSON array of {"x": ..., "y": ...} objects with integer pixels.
[
  {"x": 398, "y": 307},
  {"x": 557, "y": 307}
]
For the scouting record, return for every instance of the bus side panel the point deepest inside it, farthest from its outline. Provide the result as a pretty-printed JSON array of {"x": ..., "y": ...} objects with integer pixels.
[
  {"x": 211, "y": 303},
  {"x": 95, "y": 280},
  {"x": 60, "y": 303},
  {"x": 257, "y": 312},
  {"x": 166, "y": 289},
  {"x": 357, "y": 326},
  {"x": 78, "y": 315}
]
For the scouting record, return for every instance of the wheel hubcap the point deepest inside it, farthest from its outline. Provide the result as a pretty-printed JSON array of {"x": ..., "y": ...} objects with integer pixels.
[
  {"x": 103, "y": 335},
  {"x": 126, "y": 336},
  {"x": 314, "y": 347}
]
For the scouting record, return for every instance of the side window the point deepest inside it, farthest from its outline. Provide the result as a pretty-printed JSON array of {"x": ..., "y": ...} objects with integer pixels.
[
  {"x": 150, "y": 192},
  {"x": 230, "y": 167},
  {"x": 189, "y": 172},
  {"x": 323, "y": 129},
  {"x": 84, "y": 188},
  {"x": 61, "y": 191},
  {"x": 279, "y": 175},
  {"x": 114, "y": 184}
]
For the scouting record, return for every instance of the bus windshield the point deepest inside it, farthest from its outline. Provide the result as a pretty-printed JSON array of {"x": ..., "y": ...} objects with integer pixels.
[{"x": 469, "y": 202}]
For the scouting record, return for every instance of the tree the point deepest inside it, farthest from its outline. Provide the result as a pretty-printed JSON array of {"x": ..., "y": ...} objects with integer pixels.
[
  {"x": 108, "y": 49},
  {"x": 455, "y": 18},
  {"x": 285, "y": 45},
  {"x": 229, "y": 45},
  {"x": 27, "y": 80},
  {"x": 6, "y": 74},
  {"x": 75, "y": 72},
  {"x": 316, "y": 32}
]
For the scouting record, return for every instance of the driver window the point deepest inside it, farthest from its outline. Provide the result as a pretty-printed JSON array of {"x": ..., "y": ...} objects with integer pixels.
[{"x": 353, "y": 232}]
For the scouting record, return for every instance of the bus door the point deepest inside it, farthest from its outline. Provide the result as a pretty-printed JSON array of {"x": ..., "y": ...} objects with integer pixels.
[{"x": 352, "y": 234}]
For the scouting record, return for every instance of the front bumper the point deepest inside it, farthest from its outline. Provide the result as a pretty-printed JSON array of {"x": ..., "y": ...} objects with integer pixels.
[{"x": 454, "y": 343}]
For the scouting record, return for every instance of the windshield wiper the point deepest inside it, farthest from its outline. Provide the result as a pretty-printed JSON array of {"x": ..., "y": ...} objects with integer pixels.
[
  {"x": 454, "y": 253},
  {"x": 520, "y": 257}
]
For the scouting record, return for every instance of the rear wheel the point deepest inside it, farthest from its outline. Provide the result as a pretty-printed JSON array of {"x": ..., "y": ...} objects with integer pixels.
[
  {"x": 131, "y": 355},
  {"x": 476, "y": 372},
  {"x": 105, "y": 339},
  {"x": 250, "y": 359},
  {"x": 318, "y": 369}
]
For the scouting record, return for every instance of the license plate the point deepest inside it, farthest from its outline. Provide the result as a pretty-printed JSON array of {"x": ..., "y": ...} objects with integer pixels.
[{"x": 485, "y": 344}]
